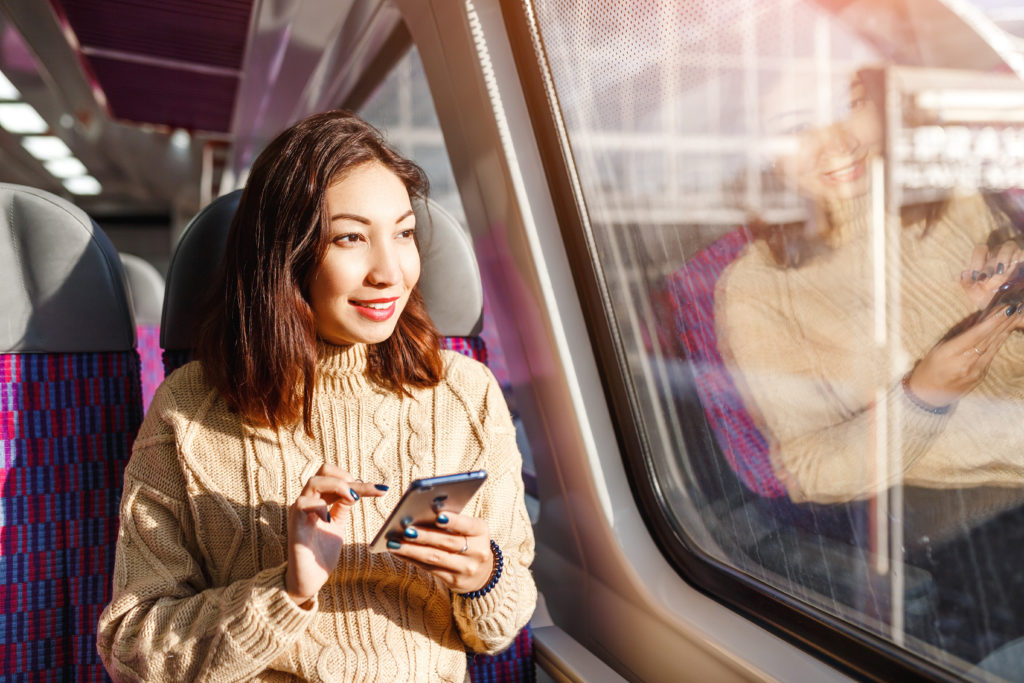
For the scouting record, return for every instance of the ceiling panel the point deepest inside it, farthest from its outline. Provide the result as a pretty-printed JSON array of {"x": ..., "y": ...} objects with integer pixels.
[{"x": 169, "y": 62}]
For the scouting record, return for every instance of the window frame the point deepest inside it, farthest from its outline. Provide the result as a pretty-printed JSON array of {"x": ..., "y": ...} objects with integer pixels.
[{"x": 840, "y": 644}]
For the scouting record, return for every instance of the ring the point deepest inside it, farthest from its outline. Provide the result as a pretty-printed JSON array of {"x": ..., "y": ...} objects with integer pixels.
[
  {"x": 465, "y": 544},
  {"x": 977, "y": 350}
]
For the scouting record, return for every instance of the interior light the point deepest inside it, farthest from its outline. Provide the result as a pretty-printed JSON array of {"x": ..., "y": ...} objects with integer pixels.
[
  {"x": 45, "y": 147},
  {"x": 83, "y": 184},
  {"x": 7, "y": 89},
  {"x": 19, "y": 117},
  {"x": 67, "y": 167},
  {"x": 180, "y": 139}
]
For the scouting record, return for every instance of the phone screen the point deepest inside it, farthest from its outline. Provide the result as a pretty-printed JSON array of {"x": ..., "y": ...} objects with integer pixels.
[{"x": 422, "y": 501}]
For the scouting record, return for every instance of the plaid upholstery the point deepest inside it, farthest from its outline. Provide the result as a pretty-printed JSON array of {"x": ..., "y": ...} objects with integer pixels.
[
  {"x": 67, "y": 423},
  {"x": 174, "y": 359},
  {"x": 152, "y": 367},
  {"x": 692, "y": 296},
  {"x": 514, "y": 664},
  {"x": 474, "y": 347}
]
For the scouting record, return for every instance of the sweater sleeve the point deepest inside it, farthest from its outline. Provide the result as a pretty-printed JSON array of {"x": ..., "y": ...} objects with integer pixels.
[
  {"x": 489, "y": 623},
  {"x": 165, "y": 621},
  {"x": 821, "y": 440}
]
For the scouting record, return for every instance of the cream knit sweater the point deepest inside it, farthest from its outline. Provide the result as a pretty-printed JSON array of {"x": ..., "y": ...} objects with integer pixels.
[
  {"x": 199, "y": 574},
  {"x": 801, "y": 344}
]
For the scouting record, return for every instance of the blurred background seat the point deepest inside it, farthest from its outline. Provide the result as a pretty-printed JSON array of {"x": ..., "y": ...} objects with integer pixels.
[
  {"x": 146, "y": 285},
  {"x": 70, "y": 407}
]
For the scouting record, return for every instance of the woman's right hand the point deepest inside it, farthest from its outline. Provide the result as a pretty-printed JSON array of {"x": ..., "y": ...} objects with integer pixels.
[
  {"x": 316, "y": 523},
  {"x": 957, "y": 365},
  {"x": 989, "y": 269}
]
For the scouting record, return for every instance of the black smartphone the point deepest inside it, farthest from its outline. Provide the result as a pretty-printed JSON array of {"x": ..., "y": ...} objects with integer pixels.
[{"x": 422, "y": 501}]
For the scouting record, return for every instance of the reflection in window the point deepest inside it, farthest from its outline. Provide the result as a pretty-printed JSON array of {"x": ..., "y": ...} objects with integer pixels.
[{"x": 827, "y": 369}]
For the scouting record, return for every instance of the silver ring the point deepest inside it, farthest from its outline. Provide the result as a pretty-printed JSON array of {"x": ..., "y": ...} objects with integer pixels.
[
  {"x": 977, "y": 350},
  {"x": 465, "y": 544}
]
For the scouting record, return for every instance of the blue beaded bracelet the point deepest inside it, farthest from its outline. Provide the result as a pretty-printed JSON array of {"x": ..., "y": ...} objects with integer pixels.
[
  {"x": 499, "y": 565},
  {"x": 926, "y": 407}
]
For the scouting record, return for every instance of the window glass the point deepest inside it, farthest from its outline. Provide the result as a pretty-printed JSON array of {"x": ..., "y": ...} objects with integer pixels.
[
  {"x": 402, "y": 108},
  {"x": 808, "y": 219}
]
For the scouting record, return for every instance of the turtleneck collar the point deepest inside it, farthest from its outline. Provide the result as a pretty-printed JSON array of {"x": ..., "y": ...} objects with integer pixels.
[{"x": 341, "y": 368}]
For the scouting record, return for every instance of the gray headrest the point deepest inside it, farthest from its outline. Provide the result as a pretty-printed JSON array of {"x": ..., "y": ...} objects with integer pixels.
[
  {"x": 193, "y": 269},
  {"x": 62, "y": 286},
  {"x": 146, "y": 285},
  {"x": 450, "y": 281}
]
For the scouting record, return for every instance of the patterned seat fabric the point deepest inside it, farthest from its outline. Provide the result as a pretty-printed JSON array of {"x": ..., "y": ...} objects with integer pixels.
[
  {"x": 692, "y": 294},
  {"x": 150, "y": 357},
  {"x": 67, "y": 423}
]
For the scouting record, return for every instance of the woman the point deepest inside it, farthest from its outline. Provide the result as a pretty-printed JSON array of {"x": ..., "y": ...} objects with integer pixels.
[
  {"x": 867, "y": 363},
  {"x": 263, "y": 470}
]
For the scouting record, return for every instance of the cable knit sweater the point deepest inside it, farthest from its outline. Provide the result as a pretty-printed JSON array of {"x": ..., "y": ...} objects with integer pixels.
[
  {"x": 199, "y": 573},
  {"x": 802, "y": 345}
]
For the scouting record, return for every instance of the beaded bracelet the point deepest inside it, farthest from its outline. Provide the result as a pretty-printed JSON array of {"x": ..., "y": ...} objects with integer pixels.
[
  {"x": 927, "y": 407},
  {"x": 499, "y": 565}
]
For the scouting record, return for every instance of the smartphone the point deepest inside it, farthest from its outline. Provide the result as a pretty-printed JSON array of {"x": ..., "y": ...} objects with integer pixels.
[
  {"x": 1009, "y": 294},
  {"x": 422, "y": 501}
]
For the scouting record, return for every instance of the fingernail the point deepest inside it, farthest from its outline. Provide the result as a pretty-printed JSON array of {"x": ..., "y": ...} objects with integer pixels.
[
  {"x": 974, "y": 275},
  {"x": 999, "y": 269},
  {"x": 328, "y": 516},
  {"x": 381, "y": 487},
  {"x": 411, "y": 533},
  {"x": 442, "y": 518},
  {"x": 982, "y": 277},
  {"x": 406, "y": 521},
  {"x": 394, "y": 545},
  {"x": 355, "y": 496},
  {"x": 1010, "y": 310}
]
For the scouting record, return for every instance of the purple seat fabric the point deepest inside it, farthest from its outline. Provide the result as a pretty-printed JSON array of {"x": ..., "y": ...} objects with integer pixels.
[
  {"x": 67, "y": 424},
  {"x": 151, "y": 364},
  {"x": 691, "y": 292}
]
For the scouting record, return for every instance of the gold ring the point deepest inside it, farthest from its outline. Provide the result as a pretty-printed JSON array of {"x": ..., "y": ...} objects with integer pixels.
[
  {"x": 977, "y": 350},
  {"x": 465, "y": 544}
]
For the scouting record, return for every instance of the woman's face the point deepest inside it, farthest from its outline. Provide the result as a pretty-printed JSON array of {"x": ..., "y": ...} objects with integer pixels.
[
  {"x": 833, "y": 162},
  {"x": 372, "y": 264}
]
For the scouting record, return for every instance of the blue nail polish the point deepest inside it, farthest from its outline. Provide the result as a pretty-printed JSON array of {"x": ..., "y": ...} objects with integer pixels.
[
  {"x": 442, "y": 518},
  {"x": 411, "y": 533},
  {"x": 355, "y": 496},
  {"x": 974, "y": 275},
  {"x": 394, "y": 545},
  {"x": 1010, "y": 310},
  {"x": 328, "y": 516},
  {"x": 406, "y": 521},
  {"x": 381, "y": 487},
  {"x": 1000, "y": 269}
]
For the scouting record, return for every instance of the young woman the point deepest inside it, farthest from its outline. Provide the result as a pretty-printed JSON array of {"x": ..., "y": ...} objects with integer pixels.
[{"x": 263, "y": 470}]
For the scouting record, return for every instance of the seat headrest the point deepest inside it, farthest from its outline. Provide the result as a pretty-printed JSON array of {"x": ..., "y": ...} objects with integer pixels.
[
  {"x": 450, "y": 279},
  {"x": 193, "y": 270},
  {"x": 146, "y": 285},
  {"x": 62, "y": 287}
]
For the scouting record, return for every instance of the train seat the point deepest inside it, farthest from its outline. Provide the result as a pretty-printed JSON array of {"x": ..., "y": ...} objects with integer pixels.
[
  {"x": 146, "y": 285},
  {"x": 70, "y": 407},
  {"x": 449, "y": 266}
]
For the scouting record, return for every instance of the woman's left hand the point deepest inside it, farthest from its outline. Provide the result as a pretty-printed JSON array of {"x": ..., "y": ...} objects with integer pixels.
[{"x": 457, "y": 551}]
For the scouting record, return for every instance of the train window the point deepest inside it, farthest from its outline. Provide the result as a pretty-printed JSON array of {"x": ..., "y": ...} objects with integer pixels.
[
  {"x": 805, "y": 219},
  {"x": 402, "y": 108}
]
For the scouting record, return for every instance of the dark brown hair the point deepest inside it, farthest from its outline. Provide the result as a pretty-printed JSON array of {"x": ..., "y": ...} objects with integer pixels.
[{"x": 258, "y": 344}]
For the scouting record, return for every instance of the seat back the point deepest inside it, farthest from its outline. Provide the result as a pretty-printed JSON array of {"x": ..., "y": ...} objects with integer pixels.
[
  {"x": 146, "y": 285},
  {"x": 70, "y": 407}
]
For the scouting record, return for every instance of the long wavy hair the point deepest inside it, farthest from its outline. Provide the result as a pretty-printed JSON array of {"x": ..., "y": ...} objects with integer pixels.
[{"x": 258, "y": 342}]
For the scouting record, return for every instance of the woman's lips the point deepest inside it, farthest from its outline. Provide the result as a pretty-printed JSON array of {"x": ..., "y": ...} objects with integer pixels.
[
  {"x": 377, "y": 310},
  {"x": 846, "y": 174}
]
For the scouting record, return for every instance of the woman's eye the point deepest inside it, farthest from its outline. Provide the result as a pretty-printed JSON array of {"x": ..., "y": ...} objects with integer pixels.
[
  {"x": 350, "y": 238},
  {"x": 407, "y": 234}
]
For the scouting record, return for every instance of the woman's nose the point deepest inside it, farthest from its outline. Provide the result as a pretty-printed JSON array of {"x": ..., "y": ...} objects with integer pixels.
[
  {"x": 838, "y": 139},
  {"x": 385, "y": 266}
]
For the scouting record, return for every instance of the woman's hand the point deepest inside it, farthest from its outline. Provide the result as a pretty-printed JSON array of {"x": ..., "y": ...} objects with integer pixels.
[
  {"x": 458, "y": 551},
  {"x": 957, "y": 365},
  {"x": 316, "y": 522},
  {"x": 988, "y": 270}
]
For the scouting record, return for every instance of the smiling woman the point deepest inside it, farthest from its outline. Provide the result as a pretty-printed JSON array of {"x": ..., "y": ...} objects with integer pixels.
[
  {"x": 262, "y": 471},
  {"x": 372, "y": 265}
]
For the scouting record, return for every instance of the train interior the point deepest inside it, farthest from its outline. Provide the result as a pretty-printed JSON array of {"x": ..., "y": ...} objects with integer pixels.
[{"x": 598, "y": 171}]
